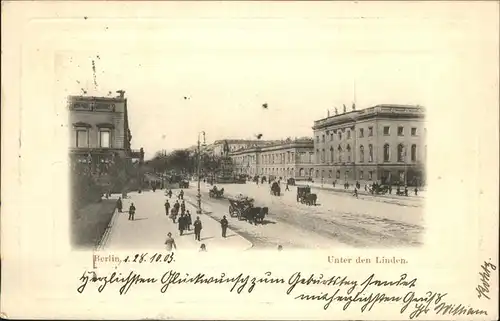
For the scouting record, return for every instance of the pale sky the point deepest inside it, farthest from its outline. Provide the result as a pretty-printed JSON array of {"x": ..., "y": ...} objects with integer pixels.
[{"x": 229, "y": 67}]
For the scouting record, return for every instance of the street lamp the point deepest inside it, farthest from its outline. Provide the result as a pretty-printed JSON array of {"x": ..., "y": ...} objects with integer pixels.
[{"x": 198, "y": 211}]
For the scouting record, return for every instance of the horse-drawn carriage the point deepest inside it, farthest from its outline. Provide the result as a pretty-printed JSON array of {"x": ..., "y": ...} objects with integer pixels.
[
  {"x": 184, "y": 184},
  {"x": 216, "y": 193},
  {"x": 291, "y": 181},
  {"x": 305, "y": 196},
  {"x": 275, "y": 189},
  {"x": 379, "y": 189},
  {"x": 243, "y": 208}
]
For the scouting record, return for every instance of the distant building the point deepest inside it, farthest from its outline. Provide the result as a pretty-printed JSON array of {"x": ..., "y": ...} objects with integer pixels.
[
  {"x": 384, "y": 143},
  {"x": 217, "y": 147},
  {"x": 100, "y": 136},
  {"x": 291, "y": 158}
]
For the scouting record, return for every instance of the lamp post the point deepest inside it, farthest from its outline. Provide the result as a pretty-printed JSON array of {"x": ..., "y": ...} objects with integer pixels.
[{"x": 198, "y": 211}]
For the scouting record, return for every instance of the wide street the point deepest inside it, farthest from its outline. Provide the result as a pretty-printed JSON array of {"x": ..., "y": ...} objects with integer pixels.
[{"x": 338, "y": 220}]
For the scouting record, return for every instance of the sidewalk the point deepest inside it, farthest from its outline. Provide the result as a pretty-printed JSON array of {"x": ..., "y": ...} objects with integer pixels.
[
  {"x": 340, "y": 188},
  {"x": 149, "y": 229}
]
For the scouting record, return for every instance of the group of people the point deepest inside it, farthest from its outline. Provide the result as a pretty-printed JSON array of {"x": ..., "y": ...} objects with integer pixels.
[{"x": 131, "y": 209}]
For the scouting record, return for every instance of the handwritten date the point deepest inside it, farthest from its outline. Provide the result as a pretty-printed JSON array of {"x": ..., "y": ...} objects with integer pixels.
[{"x": 148, "y": 258}]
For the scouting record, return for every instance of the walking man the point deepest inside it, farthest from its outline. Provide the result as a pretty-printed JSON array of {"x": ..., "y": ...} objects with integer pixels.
[
  {"x": 183, "y": 208},
  {"x": 223, "y": 224},
  {"x": 170, "y": 243},
  {"x": 167, "y": 207},
  {"x": 287, "y": 189},
  {"x": 197, "y": 229},
  {"x": 181, "y": 224},
  {"x": 131, "y": 212},
  {"x": 119, "y": 204},
  {"x": 188, "y": 220},
  {"x": 173, "y": 215},
  {"x": 181, "y": 195},
  {"x": 355, "y": 192},
  {"x": 416, "y": 191}
]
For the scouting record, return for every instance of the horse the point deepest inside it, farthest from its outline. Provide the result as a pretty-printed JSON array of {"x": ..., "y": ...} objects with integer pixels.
[
  {"x": 311, "y": 199},
  {"x": 259, "y": 218}
]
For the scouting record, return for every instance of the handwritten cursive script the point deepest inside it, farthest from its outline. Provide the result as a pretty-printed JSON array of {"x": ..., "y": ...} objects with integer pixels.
[{"x": 484, "y": 288}]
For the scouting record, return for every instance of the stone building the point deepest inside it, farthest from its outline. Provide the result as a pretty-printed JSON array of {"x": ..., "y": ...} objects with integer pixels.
[
  {"x": 100, "y": 137},
  {"x": 287, "y": 159},
  {"x": 217, "y": 148},
  {"x": 385, "y": 143}
]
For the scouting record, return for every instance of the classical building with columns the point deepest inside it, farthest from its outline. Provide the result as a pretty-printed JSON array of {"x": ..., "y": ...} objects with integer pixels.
[
  {"x": 384, "y": 143},
  {"x": 291, "y": 158}
]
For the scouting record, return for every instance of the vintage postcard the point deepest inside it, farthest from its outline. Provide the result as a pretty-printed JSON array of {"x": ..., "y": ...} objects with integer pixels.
[{"x": 250, "y": 160}]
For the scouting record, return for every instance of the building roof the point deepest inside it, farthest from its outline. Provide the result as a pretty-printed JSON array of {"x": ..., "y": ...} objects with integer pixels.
[
  {"x": 93, "y": 98},
  {"x": 388, "y": 110}
]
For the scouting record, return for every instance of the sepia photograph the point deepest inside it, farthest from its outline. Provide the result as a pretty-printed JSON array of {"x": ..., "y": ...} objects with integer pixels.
[{"x": 225, "y": 149}]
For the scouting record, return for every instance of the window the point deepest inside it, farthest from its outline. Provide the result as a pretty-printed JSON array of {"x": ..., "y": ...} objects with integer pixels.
[
  {"x": 338, "y": 175},
  {"x": 322, "y": 173},
  {"x": 401, "y": 131},
  {"x": 413, "y": 153},
  {"x": 317, "y": 139},
  {"x": 331, "y": 155},
  {"x": 82, "y": 137},
  {"x": 414, "y": 131},
  {"x": 330, "y": 173},
  {"x": 340, "y": 135},
  {"x": 317, "y": 173},
  {"x": 370, "y": 131},
  {"x": 361, "y": 132},
  {"x": 370, "y": 153},
  {"x": 340, "y": 154},
  {"x": 331, "y": 137},
  {"x": 402, "y": 177},
  {"x": 104, "y": 138},
  {"x": 301, "y": 172},
  {"x": 360, "y": 174},
  {"x": 370, "y": 175},
  {"x": 348, "y": 134},
  {"x": 311, "y": 171},
  {"x": 387, "y": 130},
  {"x": 323, "y": 138},
  {"x": 401, "y": 153},
  {"x": 348, "y": 153},
  {"x": 361, "y": 154},
  {"x": 323, "y": 155},
  {"x": 387, "y": 154},
  {"x": 317, "y": 155}
]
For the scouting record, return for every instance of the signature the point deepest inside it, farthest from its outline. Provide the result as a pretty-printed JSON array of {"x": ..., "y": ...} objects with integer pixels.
[{"x": 484, "y": 287}]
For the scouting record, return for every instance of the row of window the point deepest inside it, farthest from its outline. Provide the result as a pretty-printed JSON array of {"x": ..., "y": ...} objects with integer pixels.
[
  {"x": 387, "y": 132},
  {"x": 82, "y": 138},
  {"x": 401, "y": 154}
]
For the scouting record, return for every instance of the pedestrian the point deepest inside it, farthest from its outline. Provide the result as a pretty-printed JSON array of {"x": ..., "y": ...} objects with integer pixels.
[
  {"x": 119, "y": 204},
  {"x": 406, "y": 191},
  {"x": 416, "y": 191},
  {"x": 173, "y": 215},
  {"x": 287, "y": 189},
  {"x": 355, "y": 192},
  {"x": 366, "y": 188},
  {"x": 176, "y": 206},
  {"x": 223, "y": 224},
  {"x": 170, "y": 243},
  {"x": 169, "y": 193},
  {"x": 197, "y": 229},
  {"x": 203, "y": 248},
  {"x": 398, "y": 191},
  {"x": 280, "y": 248},
  {"x": 390, "y": 189},
  {"x": 167, "y": 207},
  {"x": 188, "y": 220},
  {"x": 131, "y": 212},
  {"x": 334, "y": 182},
  {"x": 181, "y": 195},
  {"x": 181, "y": 224},
  {"x": 183, "y": 207}
]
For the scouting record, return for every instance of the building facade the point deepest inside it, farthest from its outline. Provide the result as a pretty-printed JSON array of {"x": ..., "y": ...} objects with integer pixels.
[
  {"x": 286, "y": 159},
  {"x": 217, "y": 148},
  {"x": 100, "y": 136},
  {"x": 385, "y": 143}
]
